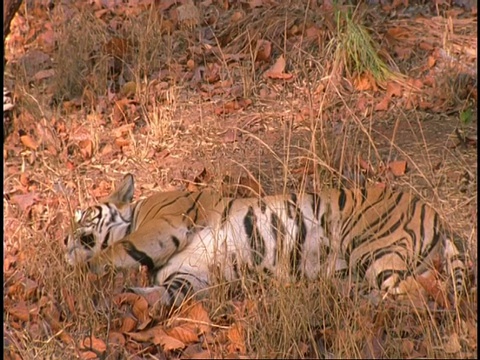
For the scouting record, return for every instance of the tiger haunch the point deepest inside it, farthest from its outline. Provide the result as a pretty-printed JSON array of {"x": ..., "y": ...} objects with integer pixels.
[{"x": 382, "y": 236}]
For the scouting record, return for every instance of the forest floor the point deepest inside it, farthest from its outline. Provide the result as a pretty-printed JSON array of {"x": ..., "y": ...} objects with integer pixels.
[{"x": 245, "y": 97}]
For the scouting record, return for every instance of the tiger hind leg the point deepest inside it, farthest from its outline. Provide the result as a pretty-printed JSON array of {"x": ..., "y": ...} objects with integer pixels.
[{"x": 388, "y": 274}]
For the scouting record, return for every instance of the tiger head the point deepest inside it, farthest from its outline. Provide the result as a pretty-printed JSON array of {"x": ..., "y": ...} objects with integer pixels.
[{"x": 100, "y": 225}]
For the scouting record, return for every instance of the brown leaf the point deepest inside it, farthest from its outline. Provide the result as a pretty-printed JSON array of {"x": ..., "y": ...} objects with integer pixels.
[
  {"x": 383, "y": 105},
  {"x": 29, "y": 142},
  {"x": 452, "y": 346},
  {"x": 183, "y": 333},
  {"x": 20, "y": 311},
  {"x": 140, "y": 309},
  {"x": 44, "y": 74},
  {"x": 116, "y": 338},
  {"x": 397, "y": 168},
  {"x": 433, "y": 288},
  {"x": 364, "y": 82},
  {"x": 394, "y": 89},
  {"x": 86, "y": 148},
  {"x": 235, "y": 336},
  {"x": 94, "y": 343},
  {"x": 88, "y": 355},
  {"x": 120, "y": 142},
  {"x": 128, "y": 324},
  {"x": 237, "y": 16},
  {"x": 198, "y": 313},
  {"x": 25, "y": 201},
  {"x": 264, "y": 50},
  {"x": 277, "y": 70}
]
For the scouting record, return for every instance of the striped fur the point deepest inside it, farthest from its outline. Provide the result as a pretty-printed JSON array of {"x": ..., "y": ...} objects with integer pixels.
[{"x": 382, "y": 236}]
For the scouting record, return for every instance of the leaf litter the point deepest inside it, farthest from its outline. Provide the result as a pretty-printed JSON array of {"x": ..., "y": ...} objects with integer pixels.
[{"x": 211, "y": 67}]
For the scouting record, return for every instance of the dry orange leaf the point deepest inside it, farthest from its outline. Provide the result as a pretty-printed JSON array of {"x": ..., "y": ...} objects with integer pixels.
[
  {"x": 95, "y": 343},
  {"x": 115, "y": 337},
  {"x": 19, "y": 311},
  {"x": 29, "y": 142},
  {"x": 394, "y": 89},
  {"x": 264, "y": 50},
  {"x": 86, "y": 148},
  {"x": 383, "y": 105},
  {"x": 198, "y": 313},
  {"x": 431, "y": 285},
  {"x": 88, "y": 355},
  {"x": 140, "y": 309},
  {"x": 452, "y": 346},
  {"x": 277, "y": 70},
  {"x": 25, "y": 201},
  {"x": 124, "y": 129},
  {"x": 235, "y": 336},
  {"x": 183, "y": 333},
  {"x": 237, "y": 16},
  {"x": 128, "y": 324},
  {"x": 397, "y": 168},
  {"x": 364, "y": 82},
  {"x": 120, "y": 142}
]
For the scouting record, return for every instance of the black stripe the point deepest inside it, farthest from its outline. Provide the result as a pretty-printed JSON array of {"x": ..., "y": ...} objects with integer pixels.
[
  {"x": 316, "y": 203},
  {"x": 194, "y": 206},
  {"x": 175, "y": 241},
  {"x": 278, "y": 230},
  {"x": 296, "y": 253},
  {"x": 342, "y": 199},
  {"x": 366, "y": 260},
  {"x": 233, "y": 259},
  {"x": 385, "y": 274},
  {"x": 257, "y": 243},
  {"x": 262, "y": 205},
  {"x": 226, "y": 212},
  {"x": 106, "y": 240},
  {"x": 138, "y": 255}
]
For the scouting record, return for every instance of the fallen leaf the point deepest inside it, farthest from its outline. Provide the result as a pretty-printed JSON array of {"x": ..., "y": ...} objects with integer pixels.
[
  {"x": 397, "y": 168},
  {"x": 383, "y": 105},
  {"x": 120, "y": 142},
  {"x": 86, "y": 148},
  {"x": 128, "y": 324},
  {"x": 264, "y": 50},
  {"x": 29, "y": 142},
  {"x": 140, "y": 309},
  {"x": 432, "y": 286},
  {"x": 25, "y": 201},
  {"x": 183, "y": 333},
  {"x": 44, "y": 74},
  {"x": 116, "y": 338},
  {"x": 199, "y": 315},
  {"x": 94, "y": 343},
  {"x": 235, "y": 336},
  {"x": 452, "y": 346},
  {"x": 19, "y": 311},
  {"x": 364, "y": 82},
  {"x": 277, "y": 70},
  {"x": 237, "y": 16},
  {"x": 394, "y": 89}
]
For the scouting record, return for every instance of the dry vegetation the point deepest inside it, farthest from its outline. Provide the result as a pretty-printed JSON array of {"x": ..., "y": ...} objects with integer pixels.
[{"x": 239, "y": 96}]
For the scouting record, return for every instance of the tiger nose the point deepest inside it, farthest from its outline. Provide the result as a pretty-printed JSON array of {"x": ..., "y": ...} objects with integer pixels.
[{"x": 65, "y": 241}]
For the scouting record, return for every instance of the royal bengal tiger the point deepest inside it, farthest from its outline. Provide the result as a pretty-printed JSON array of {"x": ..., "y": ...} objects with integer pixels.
[{"x": 376, "y": 234}]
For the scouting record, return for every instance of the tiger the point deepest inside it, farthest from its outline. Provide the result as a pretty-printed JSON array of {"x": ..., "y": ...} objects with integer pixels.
[{"x": 379, "y": 235}]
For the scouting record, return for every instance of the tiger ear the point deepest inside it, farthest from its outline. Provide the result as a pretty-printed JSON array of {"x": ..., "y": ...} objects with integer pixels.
[{"x": 123, "y": 193}]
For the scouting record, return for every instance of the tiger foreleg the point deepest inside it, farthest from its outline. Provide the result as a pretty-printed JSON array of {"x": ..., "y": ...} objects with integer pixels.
[{"x": 175, "y": 288}]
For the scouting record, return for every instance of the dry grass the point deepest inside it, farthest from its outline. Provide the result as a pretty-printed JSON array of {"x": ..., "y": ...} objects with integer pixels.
[{"x": 301, "y": 138}]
